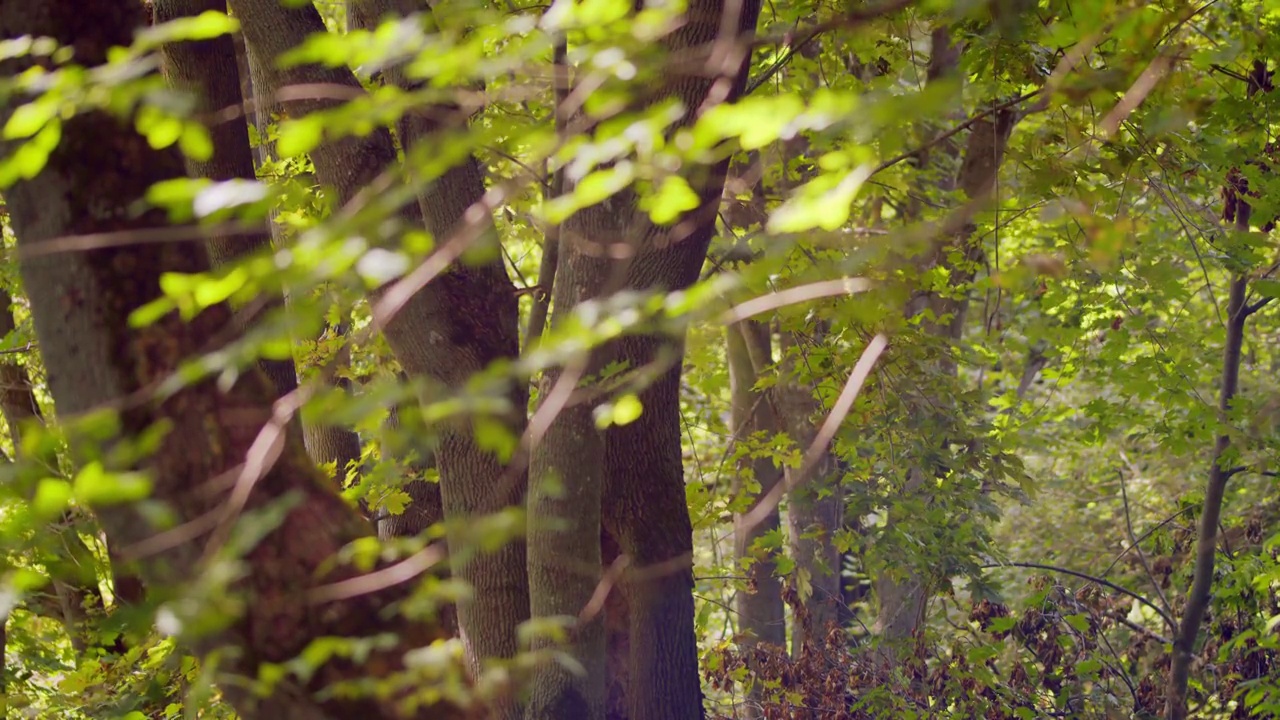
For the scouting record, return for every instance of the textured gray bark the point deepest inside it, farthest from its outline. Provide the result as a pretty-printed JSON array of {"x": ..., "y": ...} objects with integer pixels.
[
  {"x": 75, "y": 580},
  {"x": 208, "y": 70},
  {"x": 761, "y": 617},
  {"x": 424, "y": 509},
  {"x": 815, "y": 509},
  {"x": 449, "y": 330},
  {"x": 644, "y": 505},
  {"x": 761, "y": 614},
  {"x": 81, "y": 301}
]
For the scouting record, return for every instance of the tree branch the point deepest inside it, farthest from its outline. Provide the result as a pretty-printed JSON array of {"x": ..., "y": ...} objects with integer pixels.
[{"x": 1091, "y": 578}]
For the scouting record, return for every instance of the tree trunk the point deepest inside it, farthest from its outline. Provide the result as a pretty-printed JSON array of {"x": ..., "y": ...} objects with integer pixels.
[
  {"x": 454, "y": 327},
  {"x": 207, "y": 68},
  {"x": 424, "y": 509},
  {"x": 815, "y": 509},
  {"x": 644, "y": 505},
  {"x": 903, "y": 595},
  {"x": 74, "y": 572},
  {"x": 81, "y": 301},
  {"x": 761, "y": 614}
]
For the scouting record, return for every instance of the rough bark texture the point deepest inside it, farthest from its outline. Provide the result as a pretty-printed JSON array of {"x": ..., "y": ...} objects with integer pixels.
[
  {"x": 81, "y": 301},
  {"x": 761, "y": 615},
  {"x": 208, "y": 70},
  {"x": 75, "y": 580},
  {"x": 644, "y": 499},
  {"x": 424, "y": 509},
  {"x": 815, "y": 509},
  {"x": 456, "y": 326}
]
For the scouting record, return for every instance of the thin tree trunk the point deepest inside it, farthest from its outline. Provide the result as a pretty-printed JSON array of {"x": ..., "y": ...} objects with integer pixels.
[
  {"x": 74, "y": 572},
  {"x": 1200, "y": 592},
  {"x": 761, "y": 614},
  {"x": 903, "y": 592},
  {"x": 454, "y": 327},
  {"x": 815, "y": 509},
  {"x": 538, "y": 313},
  {"x": 81, "y": 302}
]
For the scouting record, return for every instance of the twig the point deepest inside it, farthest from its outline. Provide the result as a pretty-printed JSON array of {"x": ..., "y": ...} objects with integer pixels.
[
  {"x": 1142, "y": 558},
  {"x": 1091, "y": 578}
]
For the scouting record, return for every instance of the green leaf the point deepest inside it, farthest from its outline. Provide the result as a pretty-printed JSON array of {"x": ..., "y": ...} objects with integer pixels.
[
  {"x": 627, "y": 410},
  {"x": 300, "y": 136},
  {"x": 205, "y": 26},
  {"x": 1079, "y": 621},
  {"x": 95, "y": 486},
  {"x": 161, "y": 131},
  {"x": 673, "y": 198},
  {"x": 195, "y": 142},
  {"x": 51, "y": 497},
  {"x": 28, "y": 119},
  {"x": 623, "y": 411},
  {"x": 822, "y": 203},
  {"x": 1267, "y": 288}
]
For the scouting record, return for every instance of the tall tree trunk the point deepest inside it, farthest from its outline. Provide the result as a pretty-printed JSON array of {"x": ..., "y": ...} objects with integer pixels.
[
  {"x": 1200, "y": 594},
  {"x": 761, "y": 614},
  {"x": 74, "y": 572},
  {"x": 454, "y": 327},
  {"x": 81, "y": 302},
  {"x": 324, "y": 442},
  {"x": 641, "y": 466},
  {"x": 903, "y": 594},
  {"x": 208, "y": 69},
  {"x": 815, "y": 509}
]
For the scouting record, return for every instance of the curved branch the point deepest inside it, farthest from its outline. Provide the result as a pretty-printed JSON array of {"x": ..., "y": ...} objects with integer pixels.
[{"x": 1091, "y": 578}]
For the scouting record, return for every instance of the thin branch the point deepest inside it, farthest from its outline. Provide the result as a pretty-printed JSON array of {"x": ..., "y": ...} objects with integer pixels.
[
  {"x": 1142, "y": 558},
  {"x": 1091, "y": 578},
  {"x": 1144, "y": 536},
  {"x": 1255, "y": 307}
]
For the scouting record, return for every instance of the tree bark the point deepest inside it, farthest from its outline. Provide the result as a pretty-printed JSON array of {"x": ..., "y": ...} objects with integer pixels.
[
  {"x": 74, "y": 573},
  {"x": 455, "y": 326},
  {"x": 81, "y": 301},
  {"x": 815, "y": 509},
  {"x": 424, "y": 509},
  {"x": 644, "y": 505},
  {"x": 207, "y": 68},
  {"x": 761, "y": 614}
]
